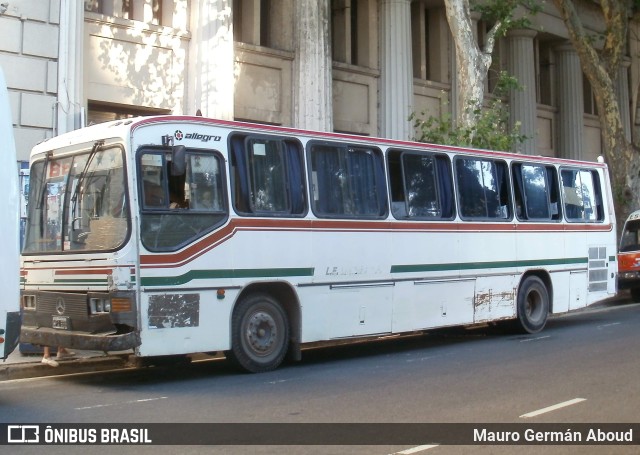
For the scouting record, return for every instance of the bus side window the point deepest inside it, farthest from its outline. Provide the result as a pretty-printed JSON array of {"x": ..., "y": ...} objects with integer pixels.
[
  {"x": 483, "y": 188},
  {"x": 554, "y": 193},
  {"x": 347, "y": 182},
  {"x": 204, "y": 183},
  {"x": 153, "y": 176},
  {"x": 535, "y": 191},
  {"x": 153, "y": 195},
  {"x": 420, "y": 184},
  {"x": 396, "y": 186},
  {"x": 267, "y": 176},
  {"x": 582, "y": 195}
]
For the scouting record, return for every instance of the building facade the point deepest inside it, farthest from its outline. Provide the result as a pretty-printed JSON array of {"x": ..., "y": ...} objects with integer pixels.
[{"x": 355, "y": 66}]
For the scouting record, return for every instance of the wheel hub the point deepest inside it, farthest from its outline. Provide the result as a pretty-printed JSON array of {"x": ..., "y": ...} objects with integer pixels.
[{"x": 261, "y": 332}]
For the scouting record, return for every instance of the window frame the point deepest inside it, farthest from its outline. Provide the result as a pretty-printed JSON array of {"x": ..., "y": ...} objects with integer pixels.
[
  {"x": 379, "y": 178},
  {"x": 597, "y": 198},
  {"x": 551, "y": 184},
  {"x": 164, "y": 214},
  {"x": 505, "y": 181},
  {"x": 440, "y": 161},
  {"x": 241, "y": 180}
]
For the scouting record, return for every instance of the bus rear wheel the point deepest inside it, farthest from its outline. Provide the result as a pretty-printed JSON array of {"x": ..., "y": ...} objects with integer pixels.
[
  {"x": 533, "y": 305},
  {"x": 260, "y": 334}
]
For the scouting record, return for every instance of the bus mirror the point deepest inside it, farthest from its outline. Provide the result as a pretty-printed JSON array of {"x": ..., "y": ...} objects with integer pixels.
[{"x": 178, "y": 160}]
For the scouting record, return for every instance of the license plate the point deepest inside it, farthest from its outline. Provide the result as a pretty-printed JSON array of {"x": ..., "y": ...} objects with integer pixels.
[{"x": 60, "y": 322}]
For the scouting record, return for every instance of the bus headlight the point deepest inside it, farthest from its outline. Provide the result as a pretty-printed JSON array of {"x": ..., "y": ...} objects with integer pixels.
[
  {"x": 629, "y": 275},
  {"x": 29, "y": 302},
  {"x": 99, "y": 305}
]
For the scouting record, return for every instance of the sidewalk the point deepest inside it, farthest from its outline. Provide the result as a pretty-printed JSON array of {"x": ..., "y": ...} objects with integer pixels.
[{"x": 22, "y": 366}]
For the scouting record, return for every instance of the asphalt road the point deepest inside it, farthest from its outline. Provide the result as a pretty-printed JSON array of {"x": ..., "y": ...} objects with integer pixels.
[{"x": 583, "y": 368}]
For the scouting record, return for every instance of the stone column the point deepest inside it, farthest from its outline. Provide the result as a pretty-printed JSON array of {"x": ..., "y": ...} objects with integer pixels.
[
  {"x": 71, "y": 108},
  {"x": 211, "y": 60},
  {"x": 522, "y": 103},
  {"x": 570, "y": 123},
  {"x": 396, "y": 70},
  {"x": 312, "y": 100},
  {"x": 622, "y": 92}
]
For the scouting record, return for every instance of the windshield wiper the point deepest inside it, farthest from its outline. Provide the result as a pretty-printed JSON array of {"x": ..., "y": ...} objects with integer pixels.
[{"x": 81, "y": 177}]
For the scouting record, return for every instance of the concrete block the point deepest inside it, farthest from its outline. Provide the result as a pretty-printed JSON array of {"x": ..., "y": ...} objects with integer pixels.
[
  {"x": 24, "y": 73},
  {"x": 11, "y": 34},
  {"x": 26, "y": 139},
  {"x": 52, "y": 77},
  {"x": 54, "y": 12},
  {"x": 40, "y": 40},
  {"x": 37, "y": 110},
  {"x": 30, "y": 9},
  {"x": 14, "y": 104}
]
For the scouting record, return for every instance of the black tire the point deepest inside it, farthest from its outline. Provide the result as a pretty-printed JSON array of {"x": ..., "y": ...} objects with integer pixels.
[
  {"x": 533, "y": 305},
  {"x": 635, "y": 295},
  {"x": 259, "y": 334}
]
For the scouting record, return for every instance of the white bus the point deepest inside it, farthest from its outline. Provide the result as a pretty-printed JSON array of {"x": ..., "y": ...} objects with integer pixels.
[
  {"x": 9, "y": 229},
  {"x": 173, "y": 235}
]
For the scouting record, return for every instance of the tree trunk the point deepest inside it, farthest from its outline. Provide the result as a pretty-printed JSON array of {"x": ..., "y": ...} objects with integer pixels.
[
  {"x": 619, "y": 154},
  {"x": 472, "y": 63},
  {"x": 601, "y": 68}
]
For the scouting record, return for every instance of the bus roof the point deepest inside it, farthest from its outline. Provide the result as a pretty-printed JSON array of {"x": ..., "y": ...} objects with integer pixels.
[{"x": 124, "y": 128}]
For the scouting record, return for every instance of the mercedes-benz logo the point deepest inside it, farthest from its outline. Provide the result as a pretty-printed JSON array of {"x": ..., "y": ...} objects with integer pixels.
[{"x": 60, "y": 305}]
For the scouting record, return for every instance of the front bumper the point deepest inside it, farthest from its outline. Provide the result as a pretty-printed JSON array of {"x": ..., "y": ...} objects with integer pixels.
[
  {"x": 80, "y": 340},
  {"x": 628, "y": 280}
]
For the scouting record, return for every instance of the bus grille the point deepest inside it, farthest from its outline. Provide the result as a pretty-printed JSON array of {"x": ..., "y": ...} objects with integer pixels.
[
  {"x": 598, "y": 270},
  {"x": 73, "y": 305}
]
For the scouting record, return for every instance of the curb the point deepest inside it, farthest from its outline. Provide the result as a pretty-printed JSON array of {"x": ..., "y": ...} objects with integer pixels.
[{"x": 27, "y": 370}]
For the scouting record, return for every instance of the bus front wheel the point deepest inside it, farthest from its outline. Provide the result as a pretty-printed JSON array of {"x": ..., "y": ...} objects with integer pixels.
[
  {"x": 533, "y": 305},
  {"x": 260, "y": 334}
]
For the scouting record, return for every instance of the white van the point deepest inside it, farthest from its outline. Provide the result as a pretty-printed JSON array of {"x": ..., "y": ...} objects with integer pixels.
[{"x": 9, "y": 230}]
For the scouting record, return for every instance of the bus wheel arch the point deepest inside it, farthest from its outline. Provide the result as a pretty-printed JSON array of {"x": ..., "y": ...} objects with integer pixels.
[
  {"x": 265, "y": 327},
  {"x": 534, "y": 302}
]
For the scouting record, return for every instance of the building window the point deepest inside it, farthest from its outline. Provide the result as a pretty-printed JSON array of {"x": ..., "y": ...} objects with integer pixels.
[
  {"x": 544, "y": 72},
  {"x": 149, "y": 11},
  {"x": 589, "y": 100},
  {"x": 251, "y": 22},
  {"x": 100, "y": 113},
  {"x": 430, "y": 43},
  {"x": 351, "y": 32},
  {"x": 420, "y": 40},
  {"x": 127, "y": 9},
  {"x": 96, "y": 6}
]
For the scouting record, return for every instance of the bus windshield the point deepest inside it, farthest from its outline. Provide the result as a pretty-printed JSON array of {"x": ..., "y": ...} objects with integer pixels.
[
  {"x": 631, "y": 236},
  {"x": 78, "y": 202}
]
